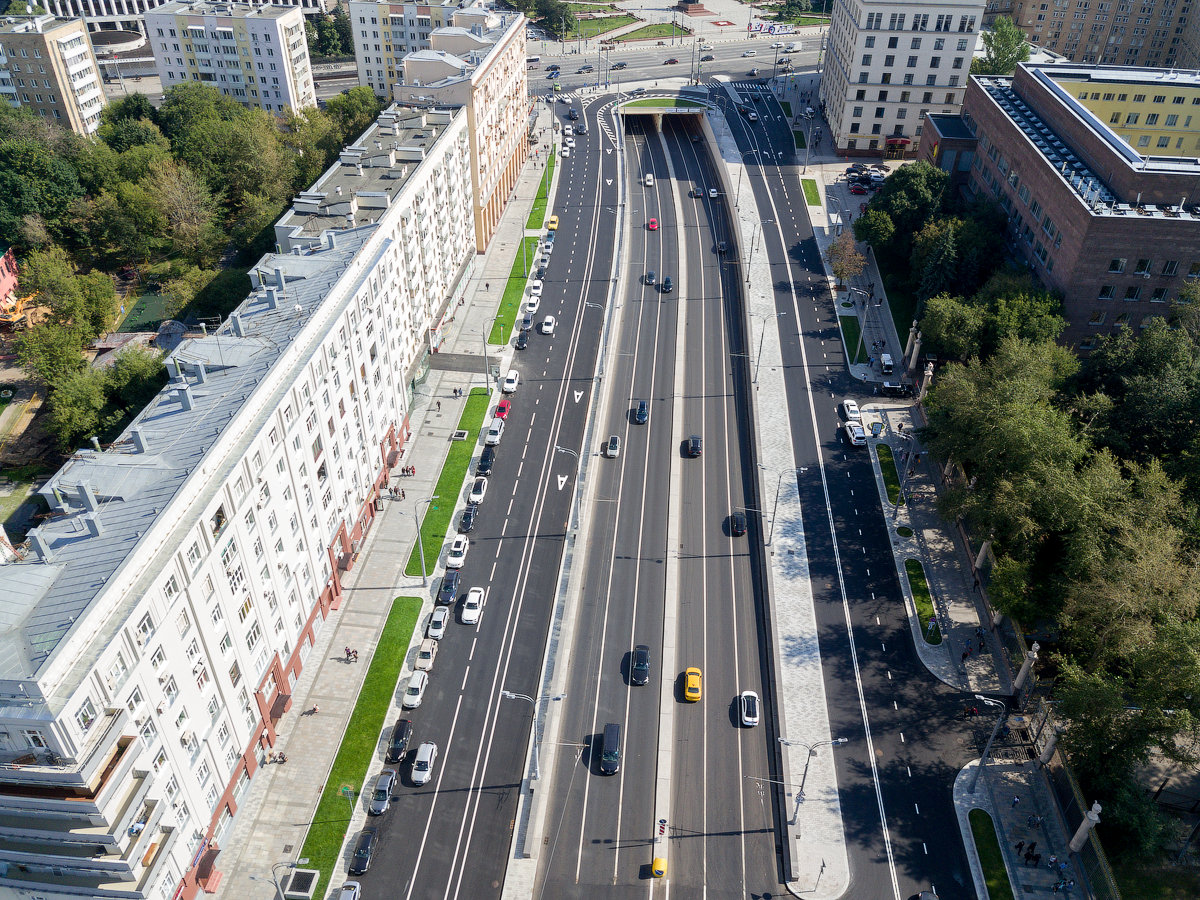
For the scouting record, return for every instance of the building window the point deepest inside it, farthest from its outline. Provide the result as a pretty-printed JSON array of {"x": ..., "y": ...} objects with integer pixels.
[
  {"x": 1170, "y": 267},
  {"x": 912, "y": 62},
  {"x": 1143, "y": 267},
  {"x": 1159, "y": 295},
  {"x": 1107, "y": 292},
  {"x": 866, "y": 60},
  {"x": 235, "y": 674},
  {"x": 1117, "y": 266},
  {"x": 1144, "y": 141},
  {"x": 1133, "y": 293},
  {"x": 86, "y": 714},
  {"x": 1097, "y": 318}
]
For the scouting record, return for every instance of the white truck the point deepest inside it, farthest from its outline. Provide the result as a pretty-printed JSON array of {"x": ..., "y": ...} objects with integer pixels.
[{"x": 793, "y": 47}]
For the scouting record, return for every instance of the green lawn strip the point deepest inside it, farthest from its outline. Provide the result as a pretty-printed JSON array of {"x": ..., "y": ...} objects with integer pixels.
[
  {"x": 798, "y": 138},
  {"x": 852, "y": 336},
  {"x": 589, "y": 28},
  {"x": 904, "y": 531},
  {"x": 514, "y": 292},
  {"x": 995, "y": 875},
  {"x": 327, "y": 833},
  {"x": 436, "y": 523},
  {"x": 902, "y": 304},
  {"x": 887, "y": 465},
  {"x": 812, "y": 196},
  {"x": 787, "y": 107},
  {"x": 537, "y": 215},
  {"x": 663, "y": 101},
  {"x": 657, "y": 30},
  {"x": 923, "y": 601}
]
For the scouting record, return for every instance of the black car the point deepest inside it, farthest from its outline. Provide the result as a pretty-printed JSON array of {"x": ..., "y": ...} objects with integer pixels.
[
  {"x": 398, "y": 744},
  {"x": 722, "y": 246},
  {"x": 694, "y": 446},
  {"x": 553, "y": 68},
  {"x": 707, "y": 58},
  {"x": 541, "y": 272},
  {"x": 581, "y": 128},
  {"x": 487, "y": 459},
  {"x": 448, "y": 592},
  {"x": 522, "y": 340},
  {"x": 364, "y": 849},
  {"x": 667, "y": 284},
  {"x": 467, "y": 523},
  {"x": 639, "y": 665},
  {"x": 650, "y": 278},
  {"x": 642, "y": 415},
  {"x": 573, "y": 114},
  {"x": 737, "y": 524},
  {"x": 895, "y": 389},
  {"x": 619, "y": 65}
]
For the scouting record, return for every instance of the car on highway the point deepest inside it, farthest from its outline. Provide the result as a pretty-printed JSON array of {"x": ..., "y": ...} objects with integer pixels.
[
  {"x": 652, "y": 225},
  {"x": 570, "y": 142},
  {"x": 851, "y": 410},
  {"x": 667, "y": 284},
  {"x": 438, "y": 620},
  {"x": 708, "y": 57},
  {"x": 531, "y": 305},
  {"x": 722, "y": 246},
  {"x": 511, "y": 380},
  {"x": 567, "y": 129},
  {"x": 487, "y": 459},
  {"x": 364, "y": 849},
  {"x": 401, "y": 733},
  {"x": 637, "y": 91},
  {"x": 478, "y": 488},
  {"x": 671, "y": 62},
  {"x": 351, "y": 890},
  {"x": 748, "y": 708},
  {"x": 692, "y": 684},
  {"x": 426, "y": 655},
  {"x": 612, "y": 449},
  {"x": 610, "y": 749},
  {"x": 694, "y": 446},
  {"x": 619, "y": 65},
  {"x": 713, "y": 194},
  {"x": 641, "y": 413},
  {"x": 553, "y": 68},
  {"x": 550, "y": 76},
  {"x": 466, "y": 523},
  {"x": 737, "y": 523},
  {"x": 706, "y": 46},
  {"x": 566, "y": 153},
  {"x": 855, "y": 434},
  {"x": 472, "y": 606},
  {"x": 857, "y": 189},
  {"x": 585, "y": 69},
  {"x": 784, "y": 60},
  {"x": 536, "y": 286},
  {"x": 448, "y": 592},
  {"x": 381, "y": 794},
  {"x": 522, "y": 340},
  {"x": 503, "y": 408},
  {"x": 639, "y": 665},
  {"x": 423, "y": 762},
  {"x": 752, "y": 116},
  {"x": 457, "y": 554},
  {"x": 581, "y": 128},
  {"x": 415, "y": 692},
  {"x": 552, "y": 223},
  {"x": 753, "y": 73},
  {"x": 573, "y": 115},
  {"x": 548, "y": 325},
  {"x": 494, "y": 433},
  {"x": 749, "y": 53}
]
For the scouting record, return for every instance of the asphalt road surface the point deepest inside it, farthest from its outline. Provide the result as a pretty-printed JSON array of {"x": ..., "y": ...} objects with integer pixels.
[{"x": 450, "y": 838}]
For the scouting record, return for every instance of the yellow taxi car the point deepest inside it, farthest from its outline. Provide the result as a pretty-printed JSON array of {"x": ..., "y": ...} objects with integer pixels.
[
  {"x": 552, "y": 223},
  {"x": 691, "y": 684}
]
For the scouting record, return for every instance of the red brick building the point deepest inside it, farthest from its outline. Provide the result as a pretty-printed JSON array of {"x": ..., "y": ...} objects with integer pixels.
[{"x": 1082, "y": 159}]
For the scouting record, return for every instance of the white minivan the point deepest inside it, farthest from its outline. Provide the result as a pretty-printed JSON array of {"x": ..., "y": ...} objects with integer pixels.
[{"x": 649, "y": 180}]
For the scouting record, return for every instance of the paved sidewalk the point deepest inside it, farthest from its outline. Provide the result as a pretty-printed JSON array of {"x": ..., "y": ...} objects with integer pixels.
[{"x": 277, "y": 806}]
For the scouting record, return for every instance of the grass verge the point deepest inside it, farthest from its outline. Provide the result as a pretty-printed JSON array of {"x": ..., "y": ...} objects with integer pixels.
[
  {"x": 324, "y": 840},
  {"x": 589, "y": 28},
  {"x": 923, "y": 601},
  {"x": 891, "y": 477},
  {"x": 787, "y": 107},
  {"x": 990, "y": 857},
  {"x": 537, "y": 215},
  {"x": 812, "y": 196},
  {"x": 904, "y": 531},
  {"x": 514, "y": 292},
  {"x": 436, "y": 523},
  {"x": 798, "y": 139},
  {"x": 1156, "y": 881},
  {"x": 658, "y": 30},
  {"x": 852, "y": 335}
]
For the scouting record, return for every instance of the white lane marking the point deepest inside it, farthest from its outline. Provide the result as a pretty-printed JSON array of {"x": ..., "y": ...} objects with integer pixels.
[
  {"x": 578, "y": 396},
  {"x": 917, "y": 807},
  {"x": 492, "y": 574},
  {"x": 902, "y": 737},
  {"x": 519, "y": 468},
  {"x": 466, "y": 672},
  {"x": 471, "y": 655},
  {"x": 513, "y": 500}
]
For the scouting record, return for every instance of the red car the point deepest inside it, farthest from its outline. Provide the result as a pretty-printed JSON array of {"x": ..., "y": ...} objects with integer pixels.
[
  {"x": 652, "y": 224},
  {"x": 857, "y": 189},
  {"x": 503, "y": 408}
]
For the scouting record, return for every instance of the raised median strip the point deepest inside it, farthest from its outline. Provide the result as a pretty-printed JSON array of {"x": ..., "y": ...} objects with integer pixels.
[
  {"x": 537, "y": 214},
  {"x": 923, "y": 601},
  {"x": 524, "y": 262},
  {"x": 995, "y": 873}
]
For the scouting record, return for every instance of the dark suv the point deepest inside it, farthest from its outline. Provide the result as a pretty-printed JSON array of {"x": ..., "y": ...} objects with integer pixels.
[
  {"x": 895, "y": 389},
  {"x": 642, "y": 416},
  {"x": 451, "y": 582},
  {"x": 487, "y": 459},
  {"x": 398, "y": 744},
  {"x": 694, "y": 446},
  {"x": 467, "y": 523},
  {"x": 639, "y": 666},
  {"x": 364, "y": 849}
]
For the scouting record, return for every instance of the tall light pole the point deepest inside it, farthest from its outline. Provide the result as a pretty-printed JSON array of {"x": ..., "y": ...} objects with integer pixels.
[
  {"x": 420, "y": 542},
  {"x": 534, "y": 772},
  {"x": 812, "y": 751},
  {"x": 487, "y": 372},
  {"x": 808, "y": 137},
  {"x": 761, "y": 336},
  {"x": 908, "y": 439},
  {"x": 275, "y": 878},
  {"x": 778, "y": 484},
  {"x": 987, "y": 750}
]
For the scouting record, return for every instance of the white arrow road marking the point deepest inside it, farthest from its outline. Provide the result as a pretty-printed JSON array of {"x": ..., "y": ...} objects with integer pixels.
[
  {"x": 562, "y": 480},
  {"x": 608, "y": 182},
  {"x": 578, "y": 396}
]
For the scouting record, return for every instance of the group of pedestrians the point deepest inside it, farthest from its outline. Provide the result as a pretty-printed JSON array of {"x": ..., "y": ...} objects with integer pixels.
[
  {"x": 396, "y": 493},
  {"x": 408, "y": 471},
  {"x": 351, "y": 655}
]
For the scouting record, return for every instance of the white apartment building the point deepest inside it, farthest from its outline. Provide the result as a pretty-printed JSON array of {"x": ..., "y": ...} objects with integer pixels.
[
  {"x": 479, "y": 64},
  {"x": 47, "y": 65},
  {"x": 256, "y": 54},
  {"x": 129, "y": 15},
  {"x": 156, "y": 623},
  {"x": 889, "y": 63}
]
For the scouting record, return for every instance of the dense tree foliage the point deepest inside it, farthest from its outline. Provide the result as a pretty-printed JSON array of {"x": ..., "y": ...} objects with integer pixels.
[{"x": 1003, "y": 48}]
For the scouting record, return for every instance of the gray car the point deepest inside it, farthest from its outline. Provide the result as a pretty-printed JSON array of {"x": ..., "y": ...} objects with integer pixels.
[{"x": 381, "y": 797}]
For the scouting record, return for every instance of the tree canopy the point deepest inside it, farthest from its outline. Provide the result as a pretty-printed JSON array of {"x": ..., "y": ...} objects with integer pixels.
[{"x": 1003, "y": 48}]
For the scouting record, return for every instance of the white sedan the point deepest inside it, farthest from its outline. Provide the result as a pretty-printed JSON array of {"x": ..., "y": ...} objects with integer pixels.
[
  {"x": 457, "y": 555},
  {"x": 436, "y": 629},
  {"x": 511, "y": 380},
  {"x": 535, "y": 288},
  {"x": 855, "y": 434},
  {"x": 548, "y": 325},
  {"x": 850, "y": 408},
  {"x": 712, "y": 193},
  {"x": 415, "y": 692},
  {"x": 571, "y": 142},
  {"x": 478, "y": 490},
  {"x": 532, "y": 304},
  {"x": 494, "y": 433},
  {"x": 472, "y": 606}
]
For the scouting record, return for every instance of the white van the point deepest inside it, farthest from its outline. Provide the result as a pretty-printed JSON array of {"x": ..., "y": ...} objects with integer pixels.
[
  {"x": 885, "y": 363},
  {"x": 649, "y": 180},
  {"x": 793, "y": 47},
  {"x": 750, "y": 53}
]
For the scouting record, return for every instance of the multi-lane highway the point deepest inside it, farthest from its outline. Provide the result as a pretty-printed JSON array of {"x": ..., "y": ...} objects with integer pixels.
[
  {"x": 448, "y": 838},
  {"x": 664, "y": 569}
]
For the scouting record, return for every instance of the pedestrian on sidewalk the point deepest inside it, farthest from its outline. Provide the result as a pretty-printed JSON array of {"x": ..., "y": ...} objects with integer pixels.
[
  {"x": 1020, "y": 846},
  {"x": 1033, "y": 846},
  {"x": 401, "y": 493},
  {"x": 1053, "y": 860},
  {"x": 487, "y": 286},
  {"x": 1028, "y": 857},
  {"x": 439, "y": 406},
  {"x": 1016, "y": 800},
  {"x": 965, "y": 654}
]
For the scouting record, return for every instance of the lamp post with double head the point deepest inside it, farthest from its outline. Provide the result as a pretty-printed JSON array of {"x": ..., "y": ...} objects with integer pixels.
[
  {"x": 812, "y": 751},
  {"x": 420, "y": 543},
  {"x": 534, "y": 772},
  {"x": 987, "y": 750}
]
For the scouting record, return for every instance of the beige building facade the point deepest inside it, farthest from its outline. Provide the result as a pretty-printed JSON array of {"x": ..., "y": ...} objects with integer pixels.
[{"x": 47, "y": 65}]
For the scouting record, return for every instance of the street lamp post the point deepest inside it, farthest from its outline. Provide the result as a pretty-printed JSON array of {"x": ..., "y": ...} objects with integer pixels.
[
  {"x": 808, "y": 137},
  {"x": 534, "y": 772},
  {"x": 762, "y": 335},
  {"x": 487, "y": 372},
  {"x": 420, "y": 542},
  {"x": 908, "y": 439},
  {"x": 812, "y": 751},
  {"x": 778, "y": 485},
  {"x": 275, "y": 878},
  {"x": 987, "y": 750}
]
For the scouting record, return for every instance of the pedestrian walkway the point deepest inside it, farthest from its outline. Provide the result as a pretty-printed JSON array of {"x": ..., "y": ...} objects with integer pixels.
[{"x": 276, "y": 807}]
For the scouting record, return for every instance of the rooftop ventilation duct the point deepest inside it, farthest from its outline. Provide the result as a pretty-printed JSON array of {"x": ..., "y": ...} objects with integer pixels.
[
  {"x": 185, "y": 397},
  {"x": 139, "y": 440}
]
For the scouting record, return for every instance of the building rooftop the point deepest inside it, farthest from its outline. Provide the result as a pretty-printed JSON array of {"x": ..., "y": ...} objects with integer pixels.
[
  {"x": 369, "y": 174},
  {"x": 951, "y": 126},
  {"x": 38, "y": 24},
  {"x": 214, "y": 8},
  {"x": 146, "y": 490}
]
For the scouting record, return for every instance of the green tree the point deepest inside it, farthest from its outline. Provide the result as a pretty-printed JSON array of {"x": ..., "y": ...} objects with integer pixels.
[
  {"x": 49, "y": 352},
  {"x": 136, "y": 376},
  {"x": 184, "y": 285},
  {"x": 344, "y": 27},
  {"x": 1003, "y": 48},
  {"x": 1016, "y": 307},
  {"x": 352, "y": 113},
  {"x": 34, "y": 181},
  {"x": 250, "y": 225},
  {"x": 844, "y": 258},
  {"x": 330, "y": 38},
  {"x": 126, "y": 223},
  {"x": 186, "y": 206},
  {"x": 875, "y": 227},
  {"x": 910, "y": 197},
  {"x": 935, "y": 257},
  {"x": 951, "y": 327},
  {"x": 76, "y": 403},
  {"x": 556, "y": 17}
]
